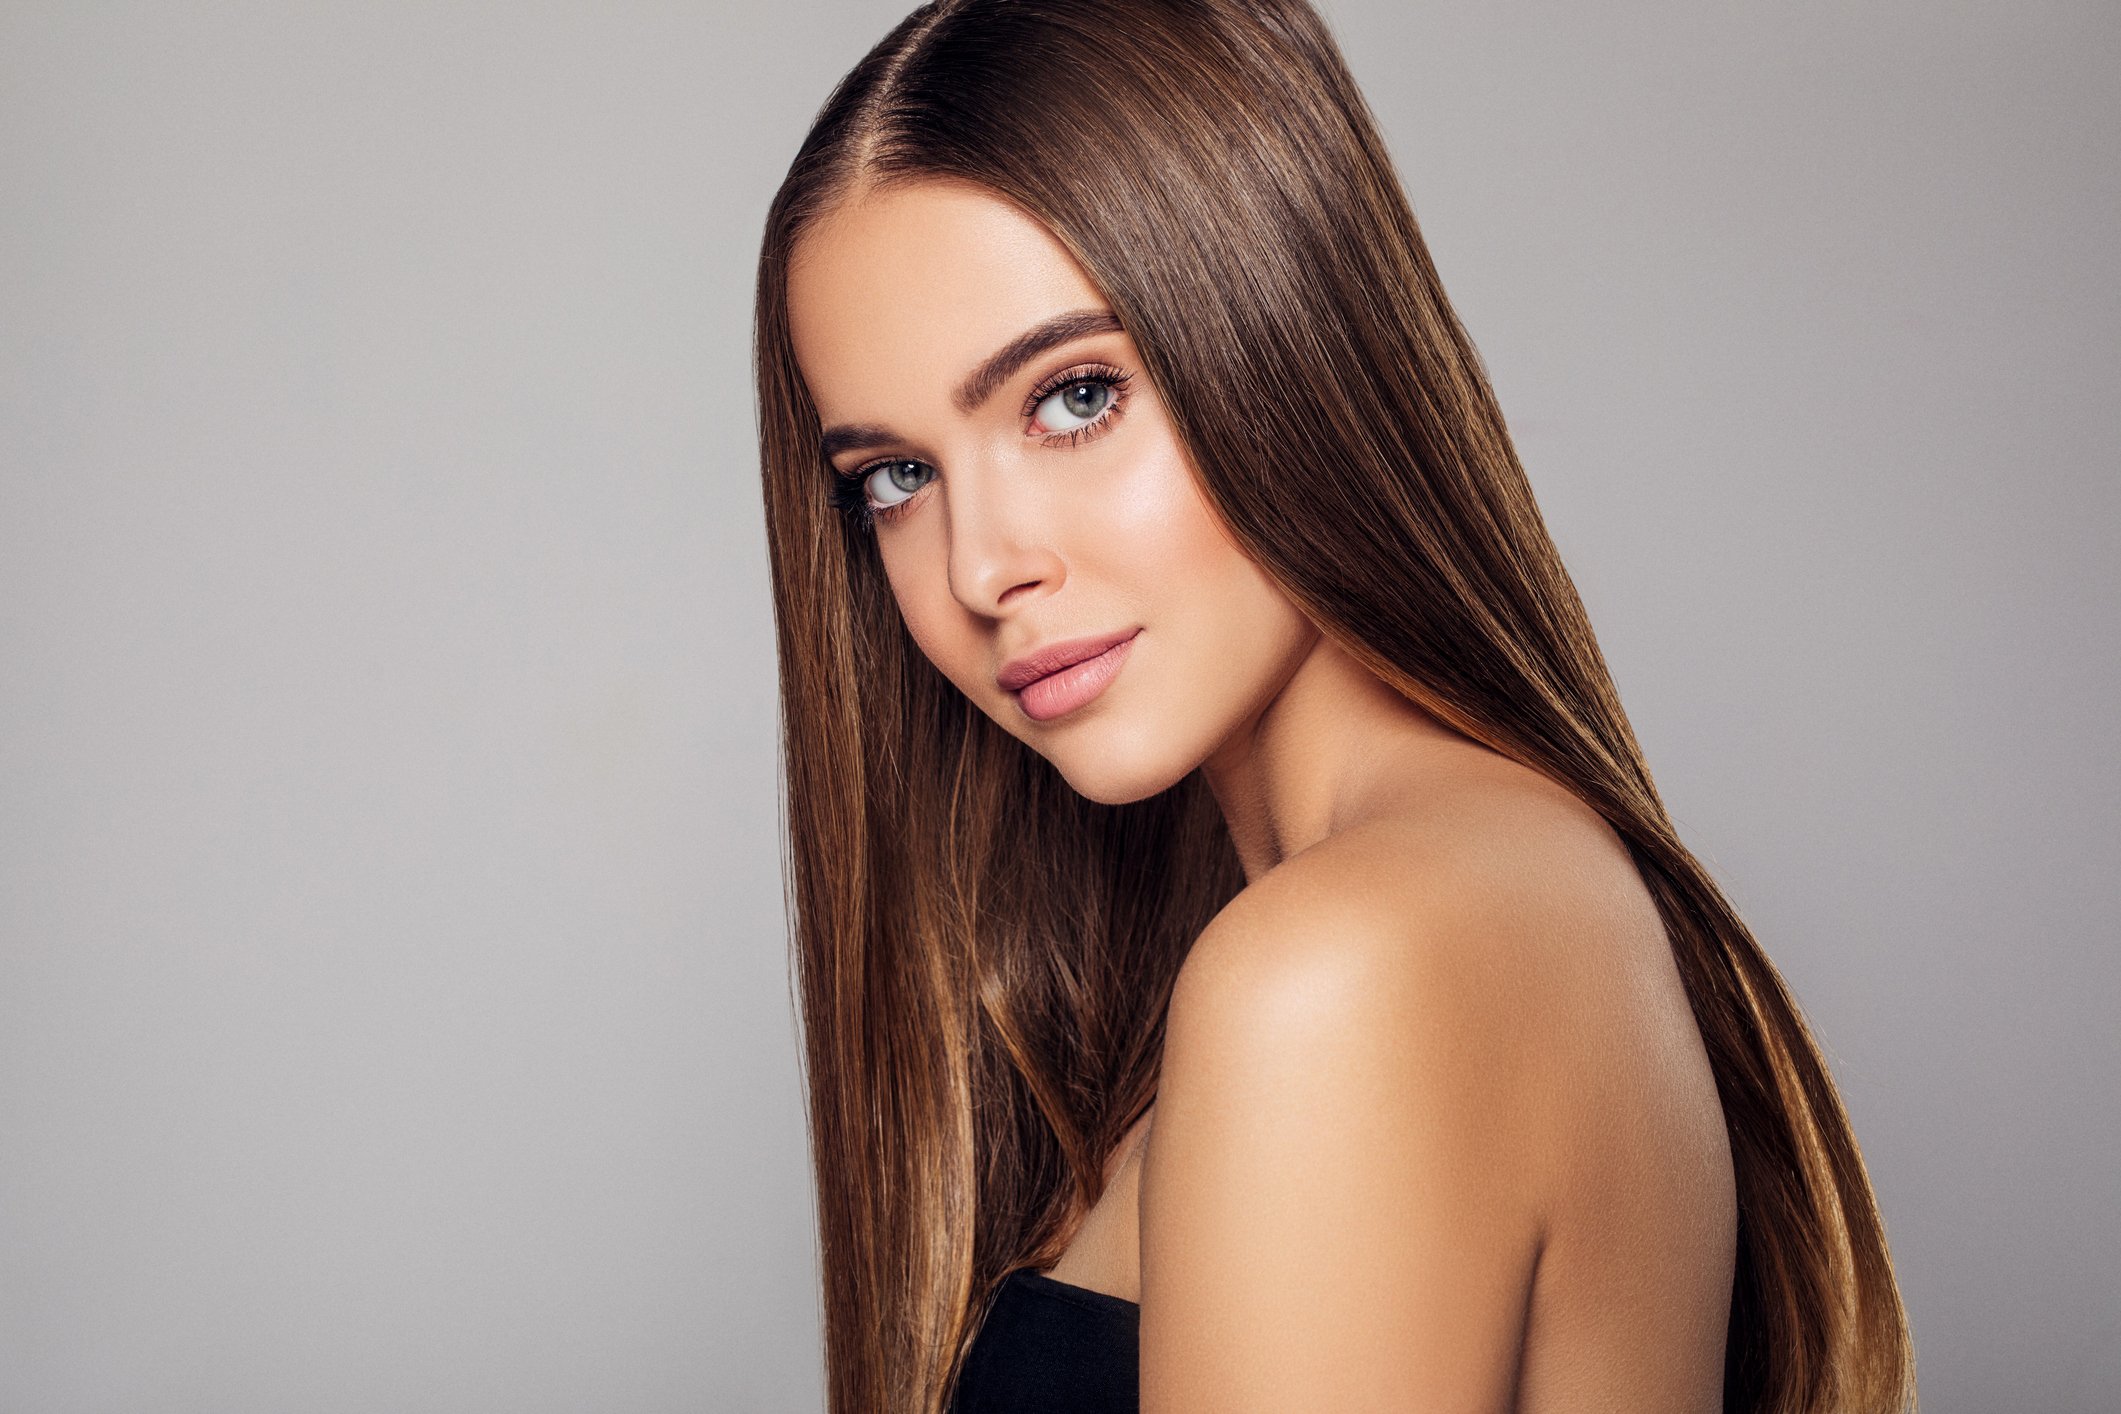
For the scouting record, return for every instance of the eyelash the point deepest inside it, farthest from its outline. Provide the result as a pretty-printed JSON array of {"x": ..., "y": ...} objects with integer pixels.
[{"x": 849, "y": 491}]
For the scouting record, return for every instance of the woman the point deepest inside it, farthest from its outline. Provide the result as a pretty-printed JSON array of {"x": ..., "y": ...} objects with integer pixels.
[{"x": 1232, "y": 911}]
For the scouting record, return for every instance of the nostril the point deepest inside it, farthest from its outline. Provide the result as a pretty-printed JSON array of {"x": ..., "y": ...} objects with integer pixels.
[{"x": 1018, "y": 591}]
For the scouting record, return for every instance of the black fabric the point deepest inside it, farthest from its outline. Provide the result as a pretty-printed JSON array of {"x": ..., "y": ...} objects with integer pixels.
[{"x": 1047, "y": 1347}]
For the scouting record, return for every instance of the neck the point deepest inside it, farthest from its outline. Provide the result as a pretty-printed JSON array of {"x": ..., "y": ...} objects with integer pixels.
[{"x": 1333, "y": 746}]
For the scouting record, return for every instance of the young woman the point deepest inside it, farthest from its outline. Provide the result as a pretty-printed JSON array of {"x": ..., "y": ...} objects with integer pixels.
[{"x": 1245, "y": 963}]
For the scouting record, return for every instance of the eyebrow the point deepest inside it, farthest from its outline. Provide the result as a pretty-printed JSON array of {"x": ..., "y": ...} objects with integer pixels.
[{"x": 992, "y": 372}]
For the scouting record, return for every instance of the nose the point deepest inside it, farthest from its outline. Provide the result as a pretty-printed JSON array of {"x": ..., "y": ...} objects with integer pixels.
[{"x": 1001, "y": 551}]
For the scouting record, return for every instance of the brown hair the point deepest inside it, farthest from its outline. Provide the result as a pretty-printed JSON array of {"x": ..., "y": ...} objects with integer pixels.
[{"x": 983, "y": 955}]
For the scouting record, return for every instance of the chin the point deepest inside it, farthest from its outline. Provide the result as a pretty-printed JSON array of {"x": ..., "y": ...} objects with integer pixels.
[{"x": 1113, "y": 774}]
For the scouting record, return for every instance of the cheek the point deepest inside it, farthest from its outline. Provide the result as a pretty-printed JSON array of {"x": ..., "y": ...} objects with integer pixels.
[
  {"x": 956, "y": 641},
  {"x": 1154, "y": 527},
  {"x": 936, "y": 622},
  {"x": 1165, "y": 541},
  {"x": 1229, "y": 635}
]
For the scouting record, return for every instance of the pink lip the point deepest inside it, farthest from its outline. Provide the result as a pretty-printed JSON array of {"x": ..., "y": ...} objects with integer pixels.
[{"x": 1061, "y": 677}]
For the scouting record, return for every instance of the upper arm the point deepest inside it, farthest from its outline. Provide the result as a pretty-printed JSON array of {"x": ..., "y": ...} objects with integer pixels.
[{"x": 1341, "y": 1201}]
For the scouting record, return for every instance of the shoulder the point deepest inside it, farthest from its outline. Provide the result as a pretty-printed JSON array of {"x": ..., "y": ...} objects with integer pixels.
[
  {"x": 1380, "y": 1063},
  {"x": 1466, "y": 943}
]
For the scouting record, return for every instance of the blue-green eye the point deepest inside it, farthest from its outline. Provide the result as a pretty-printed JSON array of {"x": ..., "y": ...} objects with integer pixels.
[
  {"x": 1081, "y": 400},
  {"x": 888, "y": 483},
  {"x": 1065, "y": 410}
]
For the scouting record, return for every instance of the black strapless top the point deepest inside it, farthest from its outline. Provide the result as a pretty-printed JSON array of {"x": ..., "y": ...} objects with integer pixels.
[{"x": 1048, "y": 1347}]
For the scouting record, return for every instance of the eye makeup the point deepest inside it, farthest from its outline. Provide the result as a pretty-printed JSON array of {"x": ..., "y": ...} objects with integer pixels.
[{"x": 850, "y": 490}]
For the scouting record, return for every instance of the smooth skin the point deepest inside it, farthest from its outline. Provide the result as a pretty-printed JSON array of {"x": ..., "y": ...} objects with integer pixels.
[{"x": 1434, "y": 1130}]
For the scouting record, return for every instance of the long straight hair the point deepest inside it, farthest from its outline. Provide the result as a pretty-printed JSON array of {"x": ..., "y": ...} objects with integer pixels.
[{"x": 983, "y": 956}]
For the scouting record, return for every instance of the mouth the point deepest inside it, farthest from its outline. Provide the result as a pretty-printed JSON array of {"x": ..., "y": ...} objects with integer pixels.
[{"x": 1057, "y": 679}]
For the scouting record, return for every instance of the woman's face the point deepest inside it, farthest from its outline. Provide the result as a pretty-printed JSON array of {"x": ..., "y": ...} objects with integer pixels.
[{"x": 1031, "y": 492}]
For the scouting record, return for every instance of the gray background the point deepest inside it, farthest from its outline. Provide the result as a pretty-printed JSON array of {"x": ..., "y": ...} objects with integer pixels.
[{"x": 393, "y": 1006}]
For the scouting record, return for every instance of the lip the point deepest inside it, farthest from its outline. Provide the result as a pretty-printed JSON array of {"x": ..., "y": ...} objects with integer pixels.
[{"x": 1062, "y": 676}]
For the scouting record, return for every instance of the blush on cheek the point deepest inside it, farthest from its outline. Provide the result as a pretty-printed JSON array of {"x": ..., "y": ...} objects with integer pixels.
[
  {"x": 1191, "y": 546},
  {"x": 1158, "y": 513}
]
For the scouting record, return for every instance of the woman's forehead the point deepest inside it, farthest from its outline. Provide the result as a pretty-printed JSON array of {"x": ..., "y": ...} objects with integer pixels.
[{"x": 929, "y": 278}]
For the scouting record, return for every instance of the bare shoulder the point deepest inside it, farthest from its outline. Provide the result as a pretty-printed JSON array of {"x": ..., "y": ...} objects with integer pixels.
[
  {"x": 1428, "y": 1087},
  {"x": 1489, "y": 926},
  {"x": 1391, "y": 1066}
]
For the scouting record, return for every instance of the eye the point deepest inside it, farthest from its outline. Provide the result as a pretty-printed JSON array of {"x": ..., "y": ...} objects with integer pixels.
[
  {"x": 1075, "y": 404},
  {"x": 1081, "y": 403},
  {"x": 889, "y": 483}
]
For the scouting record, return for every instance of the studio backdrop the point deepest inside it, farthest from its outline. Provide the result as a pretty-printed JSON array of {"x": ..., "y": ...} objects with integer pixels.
[{"x": 394, "y": 1003}]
